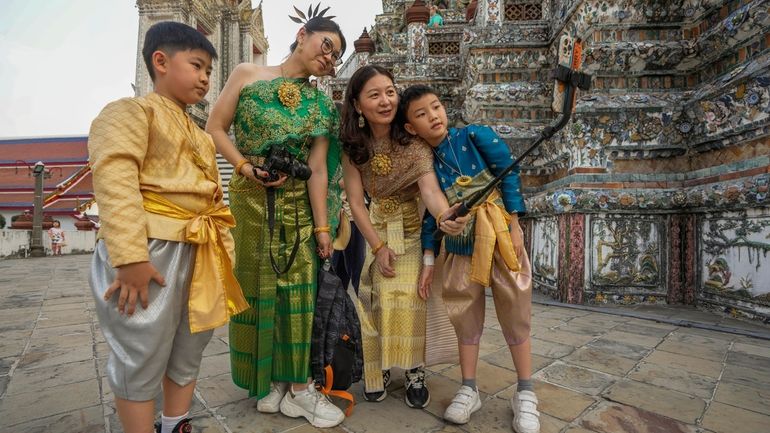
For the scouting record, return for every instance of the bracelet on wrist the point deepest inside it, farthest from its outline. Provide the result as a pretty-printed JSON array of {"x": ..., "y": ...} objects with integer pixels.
[
  {"x": 240, "y": 165},
  {"x": 322, "y": 229},
  {"x": 428, "y": 260},
  {"x": 378, "y": 247}
]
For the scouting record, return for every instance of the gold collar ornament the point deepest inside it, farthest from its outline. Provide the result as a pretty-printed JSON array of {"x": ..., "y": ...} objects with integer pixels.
[
  {"x": 289, "y": 94},
  {"x": 381, "y": 164}
]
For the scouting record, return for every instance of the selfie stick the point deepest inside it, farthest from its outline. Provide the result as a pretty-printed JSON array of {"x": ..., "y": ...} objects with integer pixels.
[{"x": 568, "y": 79}]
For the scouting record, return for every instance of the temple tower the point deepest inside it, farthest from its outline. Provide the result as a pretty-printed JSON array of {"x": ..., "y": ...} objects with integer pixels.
[{"x": 233, "y": 27}]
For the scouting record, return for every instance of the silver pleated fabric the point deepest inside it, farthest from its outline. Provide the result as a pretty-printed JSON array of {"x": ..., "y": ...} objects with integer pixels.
[{"x": 155, "y": 341}]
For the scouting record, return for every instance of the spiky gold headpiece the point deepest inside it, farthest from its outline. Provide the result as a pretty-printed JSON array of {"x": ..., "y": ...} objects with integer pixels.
[{"x": 303, "y": 18}]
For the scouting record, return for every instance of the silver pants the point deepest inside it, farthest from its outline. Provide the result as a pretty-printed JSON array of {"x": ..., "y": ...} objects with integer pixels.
[{"x": 153, "y": 342}]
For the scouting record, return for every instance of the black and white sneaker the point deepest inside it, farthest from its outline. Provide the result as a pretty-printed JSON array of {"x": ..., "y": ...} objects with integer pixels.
[
  {"x": 182, "y": 426},
  {"x": 417, "y": 394},
  {"x": 378, "y": 396}
]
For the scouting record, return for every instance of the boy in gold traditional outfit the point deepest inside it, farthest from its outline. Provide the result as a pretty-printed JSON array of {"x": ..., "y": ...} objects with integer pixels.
[{"x": 164, "y": 238}]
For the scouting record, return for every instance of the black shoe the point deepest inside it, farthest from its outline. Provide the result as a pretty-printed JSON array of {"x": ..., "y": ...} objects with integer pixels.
[
  {"x": 417, "y": 395},
  {"x": 183, "y": 426},
  {"x": 378, "y": 396}
]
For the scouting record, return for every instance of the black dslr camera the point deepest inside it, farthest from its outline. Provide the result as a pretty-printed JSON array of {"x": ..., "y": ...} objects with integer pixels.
[{"x": 280, "y": 161}]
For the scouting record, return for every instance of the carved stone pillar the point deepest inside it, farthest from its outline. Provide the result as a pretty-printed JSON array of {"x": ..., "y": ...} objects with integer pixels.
[
  {"x": 490, "y": 12},
  {"x": 682, "y": 259},
  {"x": 417, "y": 17},
  {"x": 571, "y": 258}
]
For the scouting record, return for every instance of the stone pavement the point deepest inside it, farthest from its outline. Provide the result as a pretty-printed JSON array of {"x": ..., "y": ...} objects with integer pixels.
[{"x": 595, "y": 372}]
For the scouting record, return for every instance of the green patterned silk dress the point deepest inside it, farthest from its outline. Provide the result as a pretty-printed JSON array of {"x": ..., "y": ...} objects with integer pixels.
[{"x": 271, "y": 340}]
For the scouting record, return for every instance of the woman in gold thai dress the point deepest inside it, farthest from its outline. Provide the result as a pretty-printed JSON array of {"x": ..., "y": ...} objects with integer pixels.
[
  {"x": 276, "y": 106},
  {"x": 396, "y": 173}
]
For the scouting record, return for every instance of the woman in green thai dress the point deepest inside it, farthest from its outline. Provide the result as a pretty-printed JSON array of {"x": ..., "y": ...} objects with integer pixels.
[{"x": 275, "y": 107}]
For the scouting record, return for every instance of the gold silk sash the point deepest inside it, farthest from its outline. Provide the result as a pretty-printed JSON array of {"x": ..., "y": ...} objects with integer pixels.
[
  {"x": 491, "y": 230},
  {"x": 215, "y": 294}
]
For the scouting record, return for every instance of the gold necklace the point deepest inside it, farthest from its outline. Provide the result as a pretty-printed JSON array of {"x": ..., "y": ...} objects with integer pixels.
[
  {"x": 194, "y": 148},
  {"x": 289, "y": 92},
  {"x": 462, "y": 179}
]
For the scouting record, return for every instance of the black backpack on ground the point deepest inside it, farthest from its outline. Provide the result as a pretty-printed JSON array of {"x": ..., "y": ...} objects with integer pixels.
[{"x": 336, "y": 352}]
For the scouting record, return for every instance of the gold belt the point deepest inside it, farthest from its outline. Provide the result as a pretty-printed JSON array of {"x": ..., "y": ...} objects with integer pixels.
[{"x": 390, "y": 211}]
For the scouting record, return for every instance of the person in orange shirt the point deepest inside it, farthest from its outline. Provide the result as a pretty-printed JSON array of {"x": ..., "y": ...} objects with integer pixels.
[{"x": 164, "y": 241}]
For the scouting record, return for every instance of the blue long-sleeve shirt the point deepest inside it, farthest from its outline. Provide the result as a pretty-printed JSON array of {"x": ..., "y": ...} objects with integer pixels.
[{"x": 475, "y": 151}]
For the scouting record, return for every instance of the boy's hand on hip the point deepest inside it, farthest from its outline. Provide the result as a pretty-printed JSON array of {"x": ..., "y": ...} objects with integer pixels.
[
  {"x": 426, "y": 279},
  {"x": 132, "y": 281}
]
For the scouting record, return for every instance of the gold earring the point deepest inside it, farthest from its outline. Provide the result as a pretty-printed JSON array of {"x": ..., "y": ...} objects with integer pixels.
[{"x": 361, "y": 121}]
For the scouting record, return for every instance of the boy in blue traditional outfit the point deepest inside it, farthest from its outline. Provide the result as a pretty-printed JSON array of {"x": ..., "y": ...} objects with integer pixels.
[{"x": 489, "y": 253}]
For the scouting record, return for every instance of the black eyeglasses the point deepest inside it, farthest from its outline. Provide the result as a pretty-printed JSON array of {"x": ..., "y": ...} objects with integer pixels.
[{"x": 327, "y": 47}]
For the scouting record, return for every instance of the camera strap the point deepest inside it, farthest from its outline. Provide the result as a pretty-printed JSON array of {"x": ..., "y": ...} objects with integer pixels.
[{"x": 271, "y": 225}]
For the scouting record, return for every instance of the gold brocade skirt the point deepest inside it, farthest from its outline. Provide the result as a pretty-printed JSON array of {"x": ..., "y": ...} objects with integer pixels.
[{"x": 391, "y": 312}]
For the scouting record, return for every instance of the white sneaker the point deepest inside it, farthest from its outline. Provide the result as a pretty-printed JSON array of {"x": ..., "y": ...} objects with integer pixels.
[
  {"x": 525, "y": 414},
  {"x": 466, "y": 402},
  {"x": 271, "y": 403},
  {"x": 314, "y": 406}
]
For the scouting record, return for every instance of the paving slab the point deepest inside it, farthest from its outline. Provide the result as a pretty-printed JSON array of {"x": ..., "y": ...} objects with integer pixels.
[
  {"x": 50, "y": 319},
  {"x": 648, "y": 341},
  {"x": 749, "y": 361},
  {"x": 86, "y": 420},
  {"x": 220, "y": 390},
  {"x": 576, "y": 378},
  {"x": 698, "y": 346},
  {"x": 490, "y": 378},
  {"x": 644, "y": 329},
  {"x": 751, "y": 377},
  {"x": 502, "y": 358},
  {"x": 696, "y": 365},
  {"x": 669, "y": 403},
  {"x": 678, "y": 379},
  {"x": 28, "y": 406},
  {"x": 584, "y": 328},
  {"x": 626, "y": 350},
  {"x": 495, "y": 416},
  {"x": 752, "y": 349},
  {"x": 723, "y": 418},
  {"x": 610, "y": 417},
  {"x": 550, "y": 349},
  {"x": 549, "y": 424},
  {"x": 600, "y": 360},
  {"x": 745, "y": 397},
  {"x": 41, "y": 379},
  {"x": 215, "y": 365},
  {"x": 390, "y": 415},
  {"x": 564, "y": 337},
  {"x": 560, "y": 402}
]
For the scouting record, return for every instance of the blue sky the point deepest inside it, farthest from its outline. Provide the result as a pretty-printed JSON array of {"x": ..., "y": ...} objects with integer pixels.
[{"x": 61, "y": 61}]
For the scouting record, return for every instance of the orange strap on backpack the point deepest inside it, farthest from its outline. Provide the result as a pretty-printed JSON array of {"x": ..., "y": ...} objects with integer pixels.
[{"x": 327, "y": 390}]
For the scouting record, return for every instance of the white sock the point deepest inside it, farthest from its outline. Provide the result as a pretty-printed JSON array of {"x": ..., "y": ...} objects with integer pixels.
[{"x": 167, "y": 424}]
